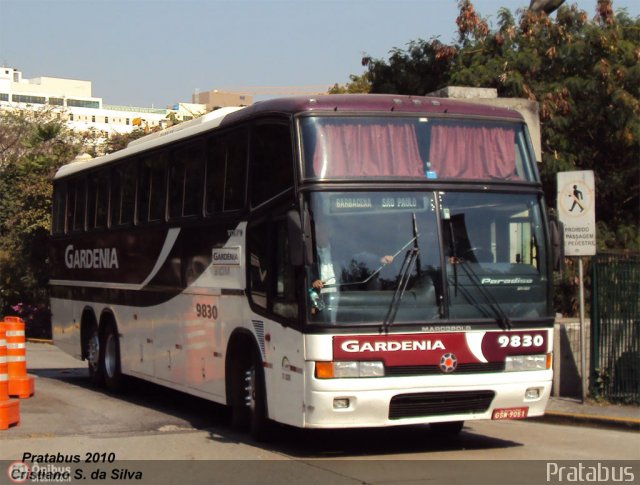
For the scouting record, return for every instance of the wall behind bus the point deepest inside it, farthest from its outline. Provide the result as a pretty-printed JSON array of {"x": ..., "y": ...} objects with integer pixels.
[{"x": 488, "y": 96}]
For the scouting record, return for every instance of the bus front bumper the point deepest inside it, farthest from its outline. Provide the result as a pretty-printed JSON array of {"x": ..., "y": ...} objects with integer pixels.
[{"x": 410, "y": 401}]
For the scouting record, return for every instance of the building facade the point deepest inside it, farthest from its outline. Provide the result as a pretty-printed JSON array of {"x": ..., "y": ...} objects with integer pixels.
[
  {"x": 72, "y": 100},
  {"x": 215, "y": 99}
]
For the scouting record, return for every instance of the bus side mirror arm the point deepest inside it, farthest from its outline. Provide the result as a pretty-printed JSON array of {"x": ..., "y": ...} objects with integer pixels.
[
  {"x": 557, "y": 243},
  {"x": 299, "y": 247}
]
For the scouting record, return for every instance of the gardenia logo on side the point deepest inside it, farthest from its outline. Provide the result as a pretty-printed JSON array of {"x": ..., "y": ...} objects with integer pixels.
[
  {"x": 356, "y": 346},
  {"x": 98, "y": 258}
]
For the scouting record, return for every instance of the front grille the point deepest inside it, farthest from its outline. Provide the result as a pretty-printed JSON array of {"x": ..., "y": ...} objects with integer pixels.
[
  {"x": 425, "y": 370},
  {"x": 439, "y": 403}
]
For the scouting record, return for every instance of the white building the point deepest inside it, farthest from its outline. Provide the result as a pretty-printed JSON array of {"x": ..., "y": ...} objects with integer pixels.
[{"x": 72, "y": 98}]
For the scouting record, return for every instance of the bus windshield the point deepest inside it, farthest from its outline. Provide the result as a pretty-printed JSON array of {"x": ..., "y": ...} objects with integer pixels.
[
  {"x": 495, "y": 256},
  {"x": 455, "y": 256},
  {"x": 417, "y": 147}
]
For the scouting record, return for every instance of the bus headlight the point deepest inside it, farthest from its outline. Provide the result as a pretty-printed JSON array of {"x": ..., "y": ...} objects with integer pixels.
[
  {"x": 517, "y": 363},
  {"x": 349, "y": 369}
]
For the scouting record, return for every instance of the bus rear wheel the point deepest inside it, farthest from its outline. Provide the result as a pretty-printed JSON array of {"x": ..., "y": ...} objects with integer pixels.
[
  {"x": 92, "y": 353},
  {"x": 110, "y": 358}
]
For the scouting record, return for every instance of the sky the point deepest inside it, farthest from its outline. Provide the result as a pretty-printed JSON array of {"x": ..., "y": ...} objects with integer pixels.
[{"x": 159, "y": 52}]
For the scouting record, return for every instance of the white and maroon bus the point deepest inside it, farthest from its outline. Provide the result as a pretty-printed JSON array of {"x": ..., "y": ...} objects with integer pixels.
[{"x": 340, "y": 261}]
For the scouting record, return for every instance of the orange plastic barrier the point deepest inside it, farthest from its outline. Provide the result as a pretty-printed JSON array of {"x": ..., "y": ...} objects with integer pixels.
[
  {"x": 21, "y": 384},
  {"x": 9, "y": 408}
]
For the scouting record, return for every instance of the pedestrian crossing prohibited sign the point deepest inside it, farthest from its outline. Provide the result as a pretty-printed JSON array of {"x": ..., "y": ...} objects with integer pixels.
[{"x": 576, "y": 210}]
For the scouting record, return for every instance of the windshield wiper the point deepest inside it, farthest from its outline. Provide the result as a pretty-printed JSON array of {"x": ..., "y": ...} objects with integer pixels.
[
  {"x": 503, "y": 319},
  {"x": 410, "y": 259}
]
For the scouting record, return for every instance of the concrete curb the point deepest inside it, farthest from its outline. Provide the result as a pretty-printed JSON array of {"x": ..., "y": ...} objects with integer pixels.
[
  {"x": 612, "y": 422},
  {"x": 40, "y": 340}
]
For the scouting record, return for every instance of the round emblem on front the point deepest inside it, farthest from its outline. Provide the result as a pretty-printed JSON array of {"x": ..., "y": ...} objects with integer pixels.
[{"x": 448, "y": 363}]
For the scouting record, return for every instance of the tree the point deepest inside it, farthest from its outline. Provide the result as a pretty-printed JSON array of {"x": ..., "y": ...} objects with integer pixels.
[
  {"x": 584, "y": 73},
  {"x": 33, "y": 145},
  {"x": 358, "y": 84},
  {"x": 118, "y": 141}
]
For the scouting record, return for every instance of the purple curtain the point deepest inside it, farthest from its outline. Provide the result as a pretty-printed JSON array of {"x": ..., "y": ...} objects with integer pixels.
[
  {"x": 473, "y": 152},
  {"x": 367, "y": 150}
]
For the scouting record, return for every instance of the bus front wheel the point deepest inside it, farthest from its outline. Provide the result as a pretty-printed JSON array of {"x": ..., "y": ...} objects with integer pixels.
[{"x": 249, "y": 410}]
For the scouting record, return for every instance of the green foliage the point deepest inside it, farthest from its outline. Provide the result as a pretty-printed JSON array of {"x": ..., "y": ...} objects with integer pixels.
[
  {"x": 358, "y": 84},
  {"x": 33, "y": 145},
  {"x": 119, "y": 141},
  {"x": 584, "y": 73}
]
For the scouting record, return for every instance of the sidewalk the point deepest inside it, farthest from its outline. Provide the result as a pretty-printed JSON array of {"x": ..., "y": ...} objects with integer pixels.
[{"x": 567, "y": 410}]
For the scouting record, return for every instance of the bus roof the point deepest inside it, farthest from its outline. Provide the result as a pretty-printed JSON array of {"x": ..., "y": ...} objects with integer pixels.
[
  {"x": 331, "y": 103},
  {"x": 378, "y": 103}
]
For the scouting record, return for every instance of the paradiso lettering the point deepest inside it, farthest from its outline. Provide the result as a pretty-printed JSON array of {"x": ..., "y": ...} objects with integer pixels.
[
  {"x": 405, "y": 345},
  {"x": 97, "y": 258}
]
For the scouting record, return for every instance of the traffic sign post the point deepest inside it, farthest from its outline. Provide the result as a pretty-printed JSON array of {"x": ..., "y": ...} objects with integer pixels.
[{"x": 576, "y": 211}]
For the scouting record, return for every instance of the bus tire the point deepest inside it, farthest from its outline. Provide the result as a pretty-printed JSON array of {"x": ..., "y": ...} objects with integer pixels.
[
  {"x": 92, "y": 353},
  {"x": 450, "y": 428},
  {"x": 110, "y": 358},
  {"x": 249, "y": 407}
]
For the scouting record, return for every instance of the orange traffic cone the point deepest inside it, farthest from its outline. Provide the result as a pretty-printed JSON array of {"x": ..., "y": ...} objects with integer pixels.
[
  {"x": 20, "y": 384},
  {"x": 9, "y": 408}
]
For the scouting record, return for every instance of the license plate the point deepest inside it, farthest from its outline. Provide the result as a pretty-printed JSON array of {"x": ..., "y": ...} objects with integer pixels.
[{"x": 510, "y": 413}]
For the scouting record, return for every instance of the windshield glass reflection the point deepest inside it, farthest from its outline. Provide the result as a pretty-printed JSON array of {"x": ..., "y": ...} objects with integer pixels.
[
  {"x": 496, "y": 263},
  {"x": 378, "y": 257},
  {"x": 361, "y": 242}
]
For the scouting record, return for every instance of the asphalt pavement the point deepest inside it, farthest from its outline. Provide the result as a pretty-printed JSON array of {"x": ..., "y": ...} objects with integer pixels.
[{"x": 559, "y": 410}]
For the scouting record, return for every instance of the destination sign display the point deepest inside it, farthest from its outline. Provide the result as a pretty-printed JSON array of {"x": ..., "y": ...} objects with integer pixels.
[{"x": 377, "y": 202}]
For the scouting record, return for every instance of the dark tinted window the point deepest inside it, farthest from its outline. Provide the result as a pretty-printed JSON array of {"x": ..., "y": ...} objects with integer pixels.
[
  {"x": 226, "y": 171},
  {"x": 271, "y": 161},
  {"x": 272, "y": 280},
  {"x": 59, "y": 206},
  {"x": 123, "y": 193},
  {"x": 77, "y": 190},
  {"x": 259, "y": 262},
  {"x": 186, "y": 181},
  {"x": 216, "y": 168},
  {"x": 152, "y": 193},
  {"x": 98, "y": 203}
]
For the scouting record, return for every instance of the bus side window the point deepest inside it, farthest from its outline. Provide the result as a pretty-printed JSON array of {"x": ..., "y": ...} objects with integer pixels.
[
  {"x": 226, "y": 171},
  {"x": 98, "y": 203},
  {"x": 59, "y": 207},
  {"x": 185, "y": 181},
  {"x": 271, "y": 276},
  {"x": 123, "y": 194},
  {"x": 216, "y": 161},
  {"x": 193, "y": 181},
  {"x": 152, "y": 187},
  {"x": 259, "y": 271},
  {"x": 271, "y": 161},
  {"x": 77, "y": 205},
  {"x": 236, "y": 170},
  {"x": 285, "y": 302}
]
